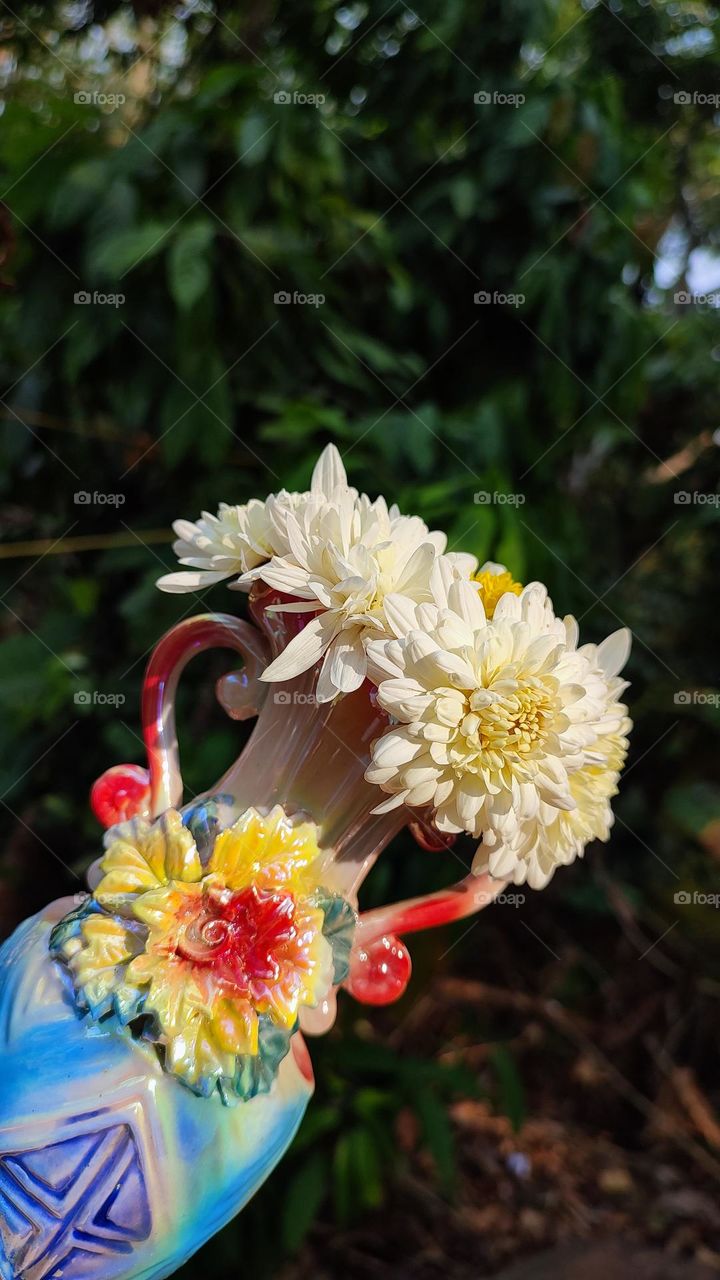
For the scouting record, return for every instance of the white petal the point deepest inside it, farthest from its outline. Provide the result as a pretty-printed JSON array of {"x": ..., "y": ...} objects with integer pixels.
[
  {"x": 440, "y": 669},
  {"x": 348, "y": 664},
  {"x": 421, "y": 794},
  {"x": 538, "y": 878},
  {"x": 394, "y": 693},
  {"x": 572, "y": 631},
  {"x": 326, "y": 690},
  {"x": 418, "y": 774},
  {"x": 392, "y": 802},
  {"x": 303, "y": 650},
  {"x": 464, "y": 598},
  {"x": 614, "y": 652},
  {"x": 508, "y": 608},
  {"x": 469, "y": 804},
  {"x": 394, "y": 750},
  {"x": 384, "y": 659},
  {"x": 400, "y": 613},
  {"x": 186, "y": 530},
  {"x": 329, "y": 473},
  {"x": 444, "y": 790},
  {"x": 287, "y": 577},
  {"x": 416, "y": 574},
  {"x": 180, "y": 582},
  {"x": 502, "y": 862},
  {"x": 465, "y": 563}
]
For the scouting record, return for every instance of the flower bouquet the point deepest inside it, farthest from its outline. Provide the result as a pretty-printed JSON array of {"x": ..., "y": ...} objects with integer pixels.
[{"x": 153, "y": 1032}]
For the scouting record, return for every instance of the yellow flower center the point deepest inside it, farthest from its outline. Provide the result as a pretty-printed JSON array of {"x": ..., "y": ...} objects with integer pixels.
[
  {"x": 501, "y": 729},
  {"x": 494, "y": 585}
]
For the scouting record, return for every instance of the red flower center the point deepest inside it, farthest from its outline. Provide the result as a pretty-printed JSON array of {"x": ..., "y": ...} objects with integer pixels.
[{"x": 243, "y": 937}]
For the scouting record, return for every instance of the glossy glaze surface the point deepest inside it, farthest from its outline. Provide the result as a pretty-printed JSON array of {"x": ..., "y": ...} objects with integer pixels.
[{"x": 109, "y": 1169}]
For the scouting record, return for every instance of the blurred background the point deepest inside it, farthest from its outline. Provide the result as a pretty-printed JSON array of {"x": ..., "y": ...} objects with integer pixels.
[{"x": 476, "y": 245}]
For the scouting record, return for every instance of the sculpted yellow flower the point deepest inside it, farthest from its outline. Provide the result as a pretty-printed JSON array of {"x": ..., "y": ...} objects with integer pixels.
[
  {"x": 106, "y": 946},
  {"x": 216, "y": 958},
  {"x": 146, "y": 855},
  {"x": 208, "y": 955}
]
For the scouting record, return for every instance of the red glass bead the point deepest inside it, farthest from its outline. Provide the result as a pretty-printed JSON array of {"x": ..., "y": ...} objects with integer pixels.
[
  {"x": 380, "y": 972},
  {"x": 120, "y": 793}
]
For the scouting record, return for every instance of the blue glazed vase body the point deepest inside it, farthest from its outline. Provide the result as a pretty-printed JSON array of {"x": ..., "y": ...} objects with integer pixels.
[{"x": 109, "y": 1167}]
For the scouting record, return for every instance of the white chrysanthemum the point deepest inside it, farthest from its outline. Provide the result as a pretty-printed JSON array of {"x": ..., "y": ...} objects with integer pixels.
[
  {"x": 345, "y": 559},
  {"x": 554, "y": 837},
  {"x": 346, "y": 555},
  {"x": 339, "y": 553},
  {"x": 242, "y": 537},
  {"x": 550, "y": 837},
  {"x": 220, "y": 546},
  {"x": 495, "y": 720}
]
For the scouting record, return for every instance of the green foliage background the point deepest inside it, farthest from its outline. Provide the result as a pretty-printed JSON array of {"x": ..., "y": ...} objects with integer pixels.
[{"x": 398, "y": 198}]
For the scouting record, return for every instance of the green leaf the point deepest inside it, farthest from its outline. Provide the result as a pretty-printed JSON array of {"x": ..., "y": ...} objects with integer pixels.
[
  {"x": 254, "y": 136},
  {"x": 188, "y": 264},
  {"x": 339, "y": 929},
  {"x": 318, "y": 1121},
  {"x": 367, "y": 1167},
  {"x": 84, "y": 184},
  {"x": 303, "y": 1198},
  {"x": 219, "y": 82},
  {"x": 438, "y": 1135},
  {"x": 511, "y": 546},
  {"x": 512, "y": 1093},
  {"x": 343, "y": 1179},
  {"x": 119, "y": 254},
  {"x": 181, "y": 419},
  {"x": 694, "y": 806}
]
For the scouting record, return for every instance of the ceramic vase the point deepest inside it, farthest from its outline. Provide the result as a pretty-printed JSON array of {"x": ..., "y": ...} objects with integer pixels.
[{"x": 123, "y": 1147}]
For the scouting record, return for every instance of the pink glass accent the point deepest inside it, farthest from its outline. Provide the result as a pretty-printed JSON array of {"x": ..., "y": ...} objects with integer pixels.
[
  {"x": 310, "y": 758},
  {"x": 121, "y": 792},
  {"x": 432, "y": 909},
  {"x": 428, "y": 836},
  {"x": 379, "y": 972},
  {"x": 241, "y": 694}
]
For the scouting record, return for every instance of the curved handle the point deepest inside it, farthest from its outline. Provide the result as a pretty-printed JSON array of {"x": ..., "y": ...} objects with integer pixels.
[
  {"x": 128, "y": 790},
  {"x": 241, "y": 693},
  {"x": 380, "y": 964}
]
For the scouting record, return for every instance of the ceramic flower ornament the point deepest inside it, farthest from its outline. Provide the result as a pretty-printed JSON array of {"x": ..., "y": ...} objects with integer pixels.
[
  {"x": 152, "y": 1033},
  {"x": 216, "y": 960}
]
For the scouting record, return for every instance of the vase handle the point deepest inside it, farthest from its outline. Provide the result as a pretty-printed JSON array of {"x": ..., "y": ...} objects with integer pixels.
[
  {"x": 128, "y": 790},
  {"x": 380, "y": 964}
]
